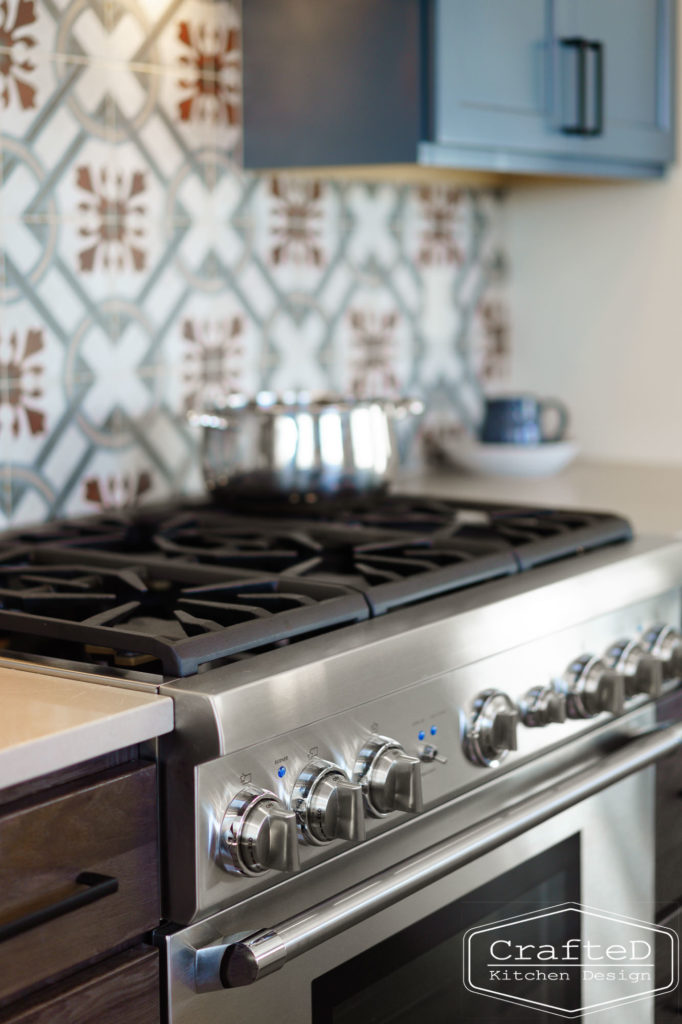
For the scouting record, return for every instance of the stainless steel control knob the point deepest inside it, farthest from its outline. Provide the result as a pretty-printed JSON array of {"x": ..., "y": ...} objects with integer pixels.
[
  {"x": 665, "y": 643},
  {"x": 327, "y": 804},
  {"x": 390, "y": 778},
  {"x": 643, "y": 672},
  {"x": 258, "y": 833},
  {"x": 593, "y": 687},
  {"x": 491, "y": 730},
  {"x": 542, "y": 705}
]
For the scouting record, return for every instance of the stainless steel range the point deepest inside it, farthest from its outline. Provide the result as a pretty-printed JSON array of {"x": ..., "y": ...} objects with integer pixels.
[{"x": 392, "y": 719}]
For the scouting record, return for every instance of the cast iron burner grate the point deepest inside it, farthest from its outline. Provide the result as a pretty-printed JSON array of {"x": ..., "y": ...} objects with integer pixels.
[
  {"x": 132, "y": 616},
  {"x": 390, "y": 567},
  {"x": 191, "y": 584}
]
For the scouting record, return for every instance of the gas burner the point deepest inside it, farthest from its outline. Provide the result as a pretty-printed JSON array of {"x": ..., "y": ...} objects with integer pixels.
[
  {"x": 224, "y": 540},
  {"x": 135, "y": 615},
  {"x": 403, "y": 569},
  {"x": 111, "y": 531}
]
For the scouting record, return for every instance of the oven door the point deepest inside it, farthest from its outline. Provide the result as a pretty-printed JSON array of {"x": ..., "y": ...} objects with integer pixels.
[{"x": 402, "y": 960}]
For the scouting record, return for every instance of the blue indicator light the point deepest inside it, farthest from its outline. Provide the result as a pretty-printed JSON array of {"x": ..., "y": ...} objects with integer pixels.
[
  {"x": 281, "y": 771},
  {"x": 422, "y": 734},
  {"x": 433, "y": 730}
]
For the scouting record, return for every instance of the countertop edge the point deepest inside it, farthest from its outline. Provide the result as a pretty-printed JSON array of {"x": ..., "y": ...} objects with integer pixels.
[{"x": 70, "y": 746}]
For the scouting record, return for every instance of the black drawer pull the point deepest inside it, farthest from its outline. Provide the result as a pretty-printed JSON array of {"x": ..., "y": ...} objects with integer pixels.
[{"x": 97, "y": 886}]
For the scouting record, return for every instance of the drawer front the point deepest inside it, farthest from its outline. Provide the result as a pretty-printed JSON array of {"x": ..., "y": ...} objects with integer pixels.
[
  {"x": 123, "y": 989},
  {"x": 78, "y": 874}
]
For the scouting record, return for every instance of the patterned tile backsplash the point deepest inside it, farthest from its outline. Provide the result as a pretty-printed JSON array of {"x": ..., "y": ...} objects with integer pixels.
[{"x": 143, "y": 273}]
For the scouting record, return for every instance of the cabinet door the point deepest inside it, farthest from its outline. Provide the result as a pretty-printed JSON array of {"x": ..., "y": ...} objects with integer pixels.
[
  {"x": 631, "y": 51},
  {"x": 557, "y": 86},
  {"x": 490, "y": 84}
]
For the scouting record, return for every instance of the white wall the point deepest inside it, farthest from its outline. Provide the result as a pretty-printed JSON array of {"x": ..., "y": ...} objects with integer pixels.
[{"x": 596, "y": 295}]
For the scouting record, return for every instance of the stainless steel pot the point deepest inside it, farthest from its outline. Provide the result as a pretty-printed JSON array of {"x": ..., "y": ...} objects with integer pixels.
[{"x": 300, "y": 447}]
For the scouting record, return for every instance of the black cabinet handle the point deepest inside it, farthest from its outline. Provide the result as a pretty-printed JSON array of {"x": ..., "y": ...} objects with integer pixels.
[
  {"x": 583, "y": 125},
  {"x": 97, "y": 886},
  {"x": 580, "y": 46}
]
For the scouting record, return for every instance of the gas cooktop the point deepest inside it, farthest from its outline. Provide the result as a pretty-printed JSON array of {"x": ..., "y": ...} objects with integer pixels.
[{"x": 179, "y": 588}]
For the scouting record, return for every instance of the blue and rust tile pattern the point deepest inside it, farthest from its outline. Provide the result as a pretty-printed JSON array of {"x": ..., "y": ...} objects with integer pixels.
[{"x": 143, "y": 273}]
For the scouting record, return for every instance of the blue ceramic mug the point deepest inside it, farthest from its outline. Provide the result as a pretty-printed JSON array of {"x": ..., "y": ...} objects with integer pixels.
[{"x": 523, "y": 419}]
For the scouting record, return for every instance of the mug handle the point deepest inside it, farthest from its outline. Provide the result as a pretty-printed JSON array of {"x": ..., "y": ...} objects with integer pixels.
[{"x": 553, "y": 405}]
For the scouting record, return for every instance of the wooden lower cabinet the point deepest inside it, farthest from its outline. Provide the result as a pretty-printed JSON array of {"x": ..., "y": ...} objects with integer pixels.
[
  {"x": 92, "y": 840},
  {"x": 79, "y": 897},
  {"x": 123, "y": 989}
]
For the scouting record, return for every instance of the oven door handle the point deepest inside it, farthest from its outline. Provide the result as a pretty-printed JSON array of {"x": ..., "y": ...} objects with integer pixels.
[{"x": 243, "y": 959}]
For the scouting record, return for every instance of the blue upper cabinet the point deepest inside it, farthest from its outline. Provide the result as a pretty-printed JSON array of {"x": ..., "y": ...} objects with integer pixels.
[
  {"x": 575, "y": 87},
  {"x": 554, "y": 86}
]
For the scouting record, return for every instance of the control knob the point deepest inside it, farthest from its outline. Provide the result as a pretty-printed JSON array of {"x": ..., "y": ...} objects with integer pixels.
[
  {"x": 593, "y": 687},
  {"x": 327, "y": 804},
  {"x": 542, "y": 705},
  {"x": 390, "y": 777},
  {"x": 491, "y": 731},
  {"x": 258, "y": 833},
  {"x": 665, "y": 643},
  {"x": 643, "y": 672}
]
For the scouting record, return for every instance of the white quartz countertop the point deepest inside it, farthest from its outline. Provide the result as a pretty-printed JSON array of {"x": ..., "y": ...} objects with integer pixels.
[
  {"x": 49, "y": 722},
  {"x": 650, "y": 496}
]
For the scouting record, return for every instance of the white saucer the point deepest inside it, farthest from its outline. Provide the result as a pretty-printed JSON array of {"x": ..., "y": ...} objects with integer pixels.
[{"x": 507, "y": 459}]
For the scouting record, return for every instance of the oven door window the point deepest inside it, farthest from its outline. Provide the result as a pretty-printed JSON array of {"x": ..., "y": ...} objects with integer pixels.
[{"x": 416, "y": 974}]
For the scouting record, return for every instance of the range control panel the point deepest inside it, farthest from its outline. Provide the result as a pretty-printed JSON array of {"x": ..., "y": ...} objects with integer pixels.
[{"x": 284, "y": 805}]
